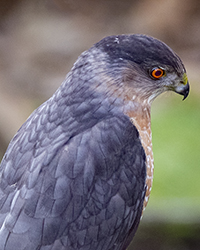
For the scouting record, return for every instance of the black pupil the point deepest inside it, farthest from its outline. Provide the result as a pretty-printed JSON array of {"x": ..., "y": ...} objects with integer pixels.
[{"x": 158, "y": 72}]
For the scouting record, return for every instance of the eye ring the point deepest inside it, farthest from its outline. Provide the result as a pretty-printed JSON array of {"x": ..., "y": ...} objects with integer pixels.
[{"x": 157, "y": 72}]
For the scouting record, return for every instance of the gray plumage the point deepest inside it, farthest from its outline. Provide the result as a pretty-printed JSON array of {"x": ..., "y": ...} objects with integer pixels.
[{"x": 73, "y": 177}]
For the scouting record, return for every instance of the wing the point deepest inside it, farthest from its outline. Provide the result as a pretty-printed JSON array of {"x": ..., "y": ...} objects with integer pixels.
[{"x": 72, "y": 192}]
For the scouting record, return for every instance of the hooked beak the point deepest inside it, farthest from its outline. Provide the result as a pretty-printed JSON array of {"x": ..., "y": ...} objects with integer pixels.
[{"x": 183, "y": 88}]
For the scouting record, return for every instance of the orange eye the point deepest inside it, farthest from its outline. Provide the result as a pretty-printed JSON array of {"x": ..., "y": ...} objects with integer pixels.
[{"x": 157, "y": 73}]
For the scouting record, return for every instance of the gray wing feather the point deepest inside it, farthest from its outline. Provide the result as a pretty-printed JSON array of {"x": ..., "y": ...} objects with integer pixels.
[{"x": 73, "y": 177}]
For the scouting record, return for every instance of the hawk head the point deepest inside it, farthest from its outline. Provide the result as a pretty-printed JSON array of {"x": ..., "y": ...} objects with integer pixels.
[
  {"x": 142, "y": 66},
  {"x": 123, "y": 73}
]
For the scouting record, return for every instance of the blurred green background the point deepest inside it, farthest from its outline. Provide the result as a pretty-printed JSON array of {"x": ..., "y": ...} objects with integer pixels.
[
  {"x": 176, "y": 130},
  {"x": 40, "y": 41}
]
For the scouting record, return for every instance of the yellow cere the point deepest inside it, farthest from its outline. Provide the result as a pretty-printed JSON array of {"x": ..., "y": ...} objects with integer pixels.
[{"x": 185, "y": 79}]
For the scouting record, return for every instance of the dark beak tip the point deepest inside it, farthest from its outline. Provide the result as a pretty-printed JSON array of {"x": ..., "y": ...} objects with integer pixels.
[{"x": 186, "y": 91}]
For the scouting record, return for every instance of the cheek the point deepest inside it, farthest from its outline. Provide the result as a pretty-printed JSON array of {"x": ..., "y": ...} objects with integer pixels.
[{"x": 129, "y": 77}]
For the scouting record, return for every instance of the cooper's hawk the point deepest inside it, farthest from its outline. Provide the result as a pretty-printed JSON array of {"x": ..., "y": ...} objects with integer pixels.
[{"x": 79, "y": 171}]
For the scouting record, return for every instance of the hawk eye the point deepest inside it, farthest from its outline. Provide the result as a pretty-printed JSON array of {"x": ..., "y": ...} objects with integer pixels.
[{"x": 157, "y": 73}]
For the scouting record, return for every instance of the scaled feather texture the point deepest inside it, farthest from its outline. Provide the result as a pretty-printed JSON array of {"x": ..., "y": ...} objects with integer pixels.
[{"x": 74, "y": 176}]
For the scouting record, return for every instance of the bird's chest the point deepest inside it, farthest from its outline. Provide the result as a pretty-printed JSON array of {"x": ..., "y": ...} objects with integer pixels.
[
  {"x": 146, "y": 139},
  {"x": 142, "y": 121}
]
